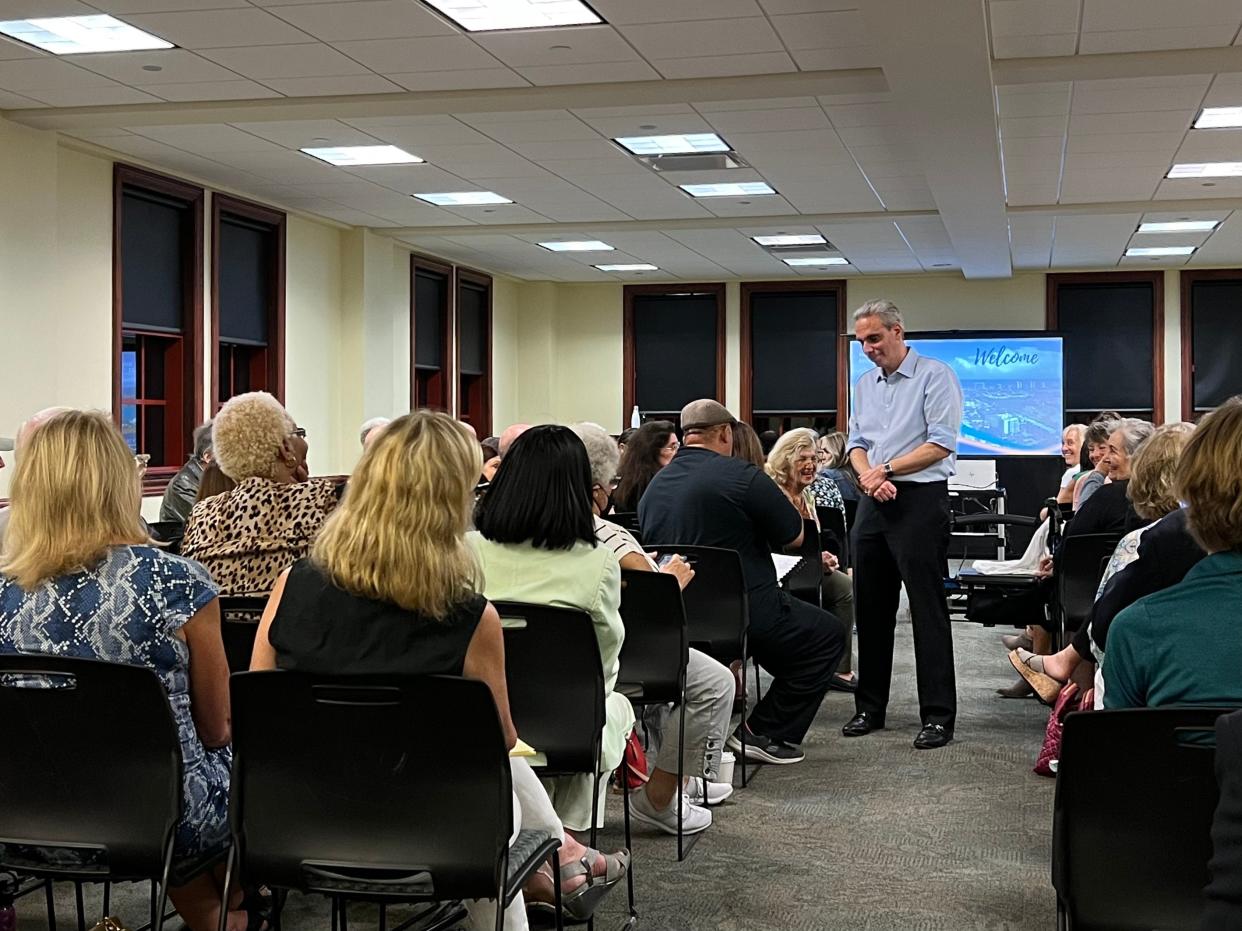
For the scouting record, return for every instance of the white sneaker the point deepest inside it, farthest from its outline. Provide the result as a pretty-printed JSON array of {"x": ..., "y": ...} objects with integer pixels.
[
  {"x": 694, "y": 818},
  {"x": 717, "y": 792}
]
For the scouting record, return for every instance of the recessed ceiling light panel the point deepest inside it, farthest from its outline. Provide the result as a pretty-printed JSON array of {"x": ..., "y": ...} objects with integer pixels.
[
  {"x": 484, "y": 15},
  {"x": 75, "y": 35},
  {"x": 636, "y": 267},
  {"x": 464, "y": 198},
  {"x": 1150, "y": 251},
  {"x": 1219, "y": 118},
  {"x": 735, "y": 189},
  {"x": 585, "y": 245},
  {"x": 810, "y": 239},
  {"x": 688, "y": 144},
  {"x": 1180, "y": 226},
  {"x": 1206, "y": 170},
  {"x": 810, "y": 262},
  {"x": 350, "y": 155}
]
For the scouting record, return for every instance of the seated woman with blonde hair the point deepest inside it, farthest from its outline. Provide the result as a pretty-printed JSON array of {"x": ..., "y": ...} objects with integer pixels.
[
  {"x": 81, "y": 579},
  {"x": 249, "y": 534},
  {"x": 792, "y": 465},
  {"x": 391, "y": 588}
]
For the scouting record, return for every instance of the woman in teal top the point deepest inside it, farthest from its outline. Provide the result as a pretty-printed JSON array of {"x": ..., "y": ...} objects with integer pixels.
[
  {"x": 1182, "y": 646},
  {"x": 536, "y": 543}
]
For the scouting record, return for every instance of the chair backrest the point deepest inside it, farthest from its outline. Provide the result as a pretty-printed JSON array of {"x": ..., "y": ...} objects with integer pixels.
[
  {"x": 400, "y": 780},
  {"x": 1080, "y": 567},
  {"x": 804, "y": 581},
  {"x": 170, "y": 532},
  {"x": 626, "y": 519},
  {"x": 239, "y": 622},
  {"x": 1132, "y": 820},
  {"x": 556, "y": 683},
  {"x": 851, "y": 508},
  {"x": 655, "y": 652},
  {"x": 832, "y": 524},
  {"x": 717, "y": 608},
  {"x": 92, "y": 762}
]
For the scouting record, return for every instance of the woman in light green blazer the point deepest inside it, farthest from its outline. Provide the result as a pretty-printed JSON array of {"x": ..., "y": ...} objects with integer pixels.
[{"x": 536, "y": 543}]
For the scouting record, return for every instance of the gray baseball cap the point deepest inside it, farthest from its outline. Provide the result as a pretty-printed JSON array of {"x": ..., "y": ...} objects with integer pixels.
[{"x": 705, "y": 413}]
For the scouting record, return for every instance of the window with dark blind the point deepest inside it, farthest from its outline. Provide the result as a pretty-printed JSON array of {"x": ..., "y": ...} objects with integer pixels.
[
  {"x": 1211, "y": 339},
  {"x": 791, "y": 348},
  {"x": 1113, "y": 323},
  {"x": 431, "y": 369},
  {"x": 474, "y": 350},
  {"x": 157, "y": 268},
  {"x": 248, "y": 298},
  {"x": 673, "y": 346}
]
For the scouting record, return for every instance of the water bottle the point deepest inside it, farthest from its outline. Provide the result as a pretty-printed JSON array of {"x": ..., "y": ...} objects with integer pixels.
[{"x": 636, "y": 419}]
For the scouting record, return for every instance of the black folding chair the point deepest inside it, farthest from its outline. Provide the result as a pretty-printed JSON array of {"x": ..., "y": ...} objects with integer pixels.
[
  {"x": 805, "y": 580},
  {"x": 168, "y": 532},
  {"x": 834, "y": 536},
  {"x": 239, "y": 622},
  {"x": 91, "y": 765},
  {"x": 628, "y": 520},
  {"x": 1080, "y": 566},
  {"x": 556, "y": 695},
  {"x": 654, "y": 657},
  {"x": 1136, "y": 791},
  {"x": 383, "y": 789},
  {"x": 718, "y": 612}
]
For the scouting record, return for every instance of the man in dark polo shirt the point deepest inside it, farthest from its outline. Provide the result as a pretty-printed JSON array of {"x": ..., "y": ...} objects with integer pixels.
[{"x": 706, "y": 498}]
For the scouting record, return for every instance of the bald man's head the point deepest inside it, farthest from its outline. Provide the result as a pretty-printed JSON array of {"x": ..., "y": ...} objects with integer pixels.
[{"x": 511, "y": 434}]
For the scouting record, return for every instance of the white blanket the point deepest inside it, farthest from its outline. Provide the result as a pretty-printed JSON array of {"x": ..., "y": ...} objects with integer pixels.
[{"x": 1027, "y": 565}]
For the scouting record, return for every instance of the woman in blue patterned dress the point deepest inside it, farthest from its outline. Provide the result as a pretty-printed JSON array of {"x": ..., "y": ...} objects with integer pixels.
[{"x": 79, "y": 578}]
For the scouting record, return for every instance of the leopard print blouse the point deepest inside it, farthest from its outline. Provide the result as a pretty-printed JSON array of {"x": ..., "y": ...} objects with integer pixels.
[{"x": 248, "y": 536}]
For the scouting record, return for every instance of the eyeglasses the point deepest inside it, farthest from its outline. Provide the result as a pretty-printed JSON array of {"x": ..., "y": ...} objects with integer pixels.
[
  {"x": 673, "y": 446},
  {"x": 299, "y": 431}
]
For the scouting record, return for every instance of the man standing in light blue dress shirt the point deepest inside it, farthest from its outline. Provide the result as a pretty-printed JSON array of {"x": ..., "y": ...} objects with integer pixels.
[{"x": 903, "y": 441}]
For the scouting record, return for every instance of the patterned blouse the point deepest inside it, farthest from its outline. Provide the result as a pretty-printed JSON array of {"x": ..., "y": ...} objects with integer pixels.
[
  {"x": 248, "y": 536},
  {"x": 129, "y": 609}
]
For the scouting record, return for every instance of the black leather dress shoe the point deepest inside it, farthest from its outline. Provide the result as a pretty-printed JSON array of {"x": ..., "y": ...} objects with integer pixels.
[
  {"x": 932, "y": 736},
  {"x": 863, "y": 723}
]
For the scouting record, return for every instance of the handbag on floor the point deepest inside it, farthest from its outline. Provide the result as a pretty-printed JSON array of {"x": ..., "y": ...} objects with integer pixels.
[
  {"x": 633, "y": 766},
  {"x": 1067, "y": 701}
]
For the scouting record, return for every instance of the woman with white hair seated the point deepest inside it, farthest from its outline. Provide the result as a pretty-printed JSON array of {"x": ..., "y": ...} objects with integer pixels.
[
  {"x": 791, "y": 464},
  {"x": 247, "y": 536},
  {"x": 709, "y": 685}
]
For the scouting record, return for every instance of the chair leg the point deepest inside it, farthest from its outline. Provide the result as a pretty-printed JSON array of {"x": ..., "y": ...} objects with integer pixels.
[
  {"x": 51, "y": 906},
  {"x": 157, "y": 920},
  {"x": 629, "y": 843},
  {"x": 107, "y": 900},
  {"x": 383, "y": 921},
  {"x": 742, "y": 727},
  {"x": 344, "y": 914},
  {"x": 681, "y": 775},
  {"x": 81, "y": 906},
  {"x": 335, "y": 910},
  {"x": 228, "y": 881}
]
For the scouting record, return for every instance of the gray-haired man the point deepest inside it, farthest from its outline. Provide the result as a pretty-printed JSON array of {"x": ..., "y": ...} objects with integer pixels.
[
  {"x": 182, "y": 491},
  {"x": 903, "y": 436}
]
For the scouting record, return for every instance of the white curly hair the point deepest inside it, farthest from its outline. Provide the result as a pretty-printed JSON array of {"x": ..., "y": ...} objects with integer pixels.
[
  {"x": 601, "y": 449},
  {"x": 247, "y": 433}
]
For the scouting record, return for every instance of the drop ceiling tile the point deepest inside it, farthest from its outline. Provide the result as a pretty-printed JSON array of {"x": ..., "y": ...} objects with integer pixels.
[
  {"x": 563, "y": 129},
  {"x": 862, "y": 114},
  {"x": 1226, "y": 91},
  {"x": 1211, "y": 145},
  {"x": 600, "y": 73},
  {"x": 500, "y": 213},
  {"x": 1025, "y": 195},
  {"x": 1149, "y": 40},
  {"x": 47, "y": 73},
  {"x": 785, "y": 7},
  {"x": 594, "y": 148},
  {"x": 837, "y": 59},
  {"x": 1088, "y": 99},
  {"x": 573, "y": 168},
  {"x": 297, "y": 134},
  {"x": 414, "y": 138},
  {"x": 1128, "y": 160},
  {"x": 365, "y": 19},
  {"x": 141, "y": 147},
  {"x": 1085, "y": 186},
  {"x": 769, "y": 205},
  {"x": 713, "y": 37},
  {"x": 874, "y": 135},
  {"x": 1111, "y": 15},
  {"x": 582, "y": 212},
  {"x": 683, "y": 209},
  {"x": 32, "y": 9},
  {"x": 1041, "y": 146},
  {"x": 314, "y": 60},
  {"x": 524, "y": 48},
  {"x": 648, "y": 124},
  {"x": 126, "y": 7},
  {"x": 1030, "y": 240},
  {"x": 203, "y": 29},
  {"x": 208, "y": 138},
  {"x": 480, "y": 161},
  {"x": 630, "y": 12},
  {"x": 210, "y": 90},
  {"x": 1189, "y": 188},
  {"x": 340, "y": 86},
  {"x": 758, "y": 103},
  {"x": 1125, "y": 142},
  {"x": 1032, "y": 127},
  {"x": 284, "y": 168},
  {"x": 719, "y": 66},
  {"x": 743, "y": 122},
  {"x": 17, "y": 102},
  {"x": 404, "y": 56},
  {"x": 1033, "y": 17},
  {"x": 464, "y": 79},
  {"x": 1154, "y": 121},
  {"x": 1034, "y": 46},
  {"x": 176, "y": 66},
  {"x": 413, "y": 179},
  {"x": 1055, "y": 103},
  {"x": 10, "y": 50},
  {"x": 839, "y": 29}
]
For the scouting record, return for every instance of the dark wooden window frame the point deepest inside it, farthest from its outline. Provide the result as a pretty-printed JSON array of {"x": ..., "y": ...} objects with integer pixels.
[
  {"x": 1156, "y": 280},
  {"x": 630, "y": 373},
  {"x": 750, "y": 288},
  {"x": 224, "y": 203},
  {"x": 1188, "y": 280},
  {"x": 157, "y": 479},
  {"x": 484, "y": 425},
  {"x": 448, "y": 368}
]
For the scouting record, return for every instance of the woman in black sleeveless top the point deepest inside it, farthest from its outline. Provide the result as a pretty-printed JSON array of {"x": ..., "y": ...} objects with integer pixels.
[{"x": 391, "y": 587}]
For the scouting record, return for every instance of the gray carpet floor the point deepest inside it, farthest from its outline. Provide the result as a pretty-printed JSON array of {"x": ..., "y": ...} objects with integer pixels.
[{"x": 867, "y": 833}]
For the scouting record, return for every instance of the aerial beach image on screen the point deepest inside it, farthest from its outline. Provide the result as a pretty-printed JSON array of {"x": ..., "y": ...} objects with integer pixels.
[{"x": 1011, "y": 388}]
